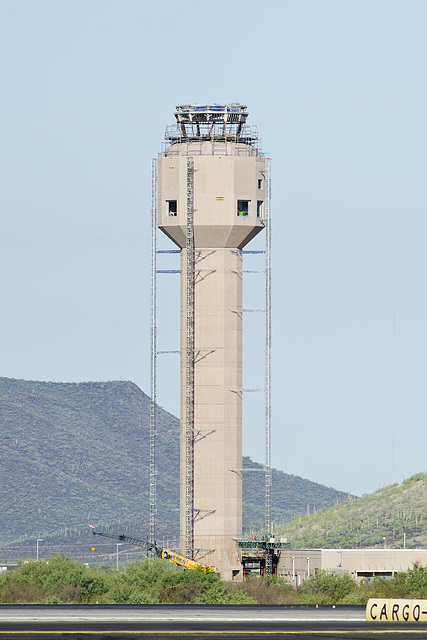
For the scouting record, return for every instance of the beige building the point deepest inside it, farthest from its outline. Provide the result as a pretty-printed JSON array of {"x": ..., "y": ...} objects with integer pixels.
[
  {"x": 227, "y": 184},
  {"x": 296, "y": 565}
]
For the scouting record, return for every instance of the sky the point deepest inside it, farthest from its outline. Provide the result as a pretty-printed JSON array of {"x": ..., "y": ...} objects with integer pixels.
[{"x": 337, "y": 89}]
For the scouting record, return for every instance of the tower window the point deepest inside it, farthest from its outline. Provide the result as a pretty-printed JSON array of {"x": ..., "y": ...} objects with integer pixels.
[
  {"x": 259, "y": 208},
  {"x": 243, "y": 208},
  {"x": 259, "y": 184},
  {"x": 171, "y": 207}
]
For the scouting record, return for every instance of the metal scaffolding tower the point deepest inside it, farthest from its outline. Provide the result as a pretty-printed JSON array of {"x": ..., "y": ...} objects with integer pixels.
[
  {"x": 268, "y": 478},
  {"x": 190, "y": 351},
  {"x": 189, "y": 369},
  {"x": 153, "y": 355}
]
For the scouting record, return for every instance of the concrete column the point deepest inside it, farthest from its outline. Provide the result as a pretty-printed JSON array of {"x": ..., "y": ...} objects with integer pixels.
[{"x": 218, "y": 404}]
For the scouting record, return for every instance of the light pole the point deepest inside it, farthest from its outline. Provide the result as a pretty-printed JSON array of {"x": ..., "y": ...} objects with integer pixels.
[
  {"x": 272, "y": 526},
  {"x": 119, "y": 544},
  {"x": 38, "y": 540},
  {"x": 384, "y": 541},
  {"x": 308, "y": 567},
  {"x": 293, "y": 569}
]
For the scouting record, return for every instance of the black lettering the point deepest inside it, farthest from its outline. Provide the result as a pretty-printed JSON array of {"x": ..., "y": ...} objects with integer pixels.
[
  {"x": 395, "y": 611},
  {"x": 405, "y": 612},
  {"x": 372, "y": 615},
  {"x": 416, "y": 612},
  {"x": 384, "y": 612}
]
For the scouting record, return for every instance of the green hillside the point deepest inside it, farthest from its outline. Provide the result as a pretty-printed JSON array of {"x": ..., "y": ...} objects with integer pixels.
[
  {"x": 396, "y": 513},
  {"x": 78, "y": 453},
  {"x": 72, "y": 454},
  {"x": 291, "y": 496}
]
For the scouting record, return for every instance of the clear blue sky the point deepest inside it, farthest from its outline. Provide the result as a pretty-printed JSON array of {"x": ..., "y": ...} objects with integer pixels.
[{"x": 338, "y": 91}]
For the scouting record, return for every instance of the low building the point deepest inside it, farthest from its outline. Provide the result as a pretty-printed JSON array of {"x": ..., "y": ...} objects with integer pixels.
[{"x": 296, "y": 565}]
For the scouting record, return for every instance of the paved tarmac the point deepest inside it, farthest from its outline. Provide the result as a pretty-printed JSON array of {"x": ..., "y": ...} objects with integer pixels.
[{"x": 176, "y": 622}]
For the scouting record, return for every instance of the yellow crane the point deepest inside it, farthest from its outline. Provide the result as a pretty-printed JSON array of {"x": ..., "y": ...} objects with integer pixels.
[{"x": 166, "y": 554}]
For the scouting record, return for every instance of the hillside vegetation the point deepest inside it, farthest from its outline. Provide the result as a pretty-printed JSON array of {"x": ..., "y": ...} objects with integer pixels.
[
  {"x": 78, "y": 453},
  {"x": 396, "y": 512},
  {"x": 72, "y": 454},
  {"x": 63, "y": 580}
]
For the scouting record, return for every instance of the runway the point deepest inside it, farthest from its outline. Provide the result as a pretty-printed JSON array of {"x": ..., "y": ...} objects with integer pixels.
[{"x": 176, "y": 622}]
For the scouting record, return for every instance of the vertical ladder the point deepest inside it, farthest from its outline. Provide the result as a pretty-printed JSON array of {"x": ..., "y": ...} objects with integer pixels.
[
  {"x": 153, "y": 355},
  {"x": 189, "y": 369}
]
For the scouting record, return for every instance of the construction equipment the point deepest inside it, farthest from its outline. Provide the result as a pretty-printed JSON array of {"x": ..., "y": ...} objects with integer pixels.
[{"x": 161, "y": 552}]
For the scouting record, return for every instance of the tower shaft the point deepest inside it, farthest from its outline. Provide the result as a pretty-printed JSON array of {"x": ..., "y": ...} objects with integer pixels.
[{"x": 217, "y": 402}]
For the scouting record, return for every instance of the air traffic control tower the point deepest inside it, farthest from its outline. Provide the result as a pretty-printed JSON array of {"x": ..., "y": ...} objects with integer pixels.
[{"x": 211, "y": 203}]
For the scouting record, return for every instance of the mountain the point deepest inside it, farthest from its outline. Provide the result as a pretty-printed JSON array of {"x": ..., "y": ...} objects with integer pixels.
[
  {"x": 78, "y": 453},
  {"x": 393, "y": 517}
]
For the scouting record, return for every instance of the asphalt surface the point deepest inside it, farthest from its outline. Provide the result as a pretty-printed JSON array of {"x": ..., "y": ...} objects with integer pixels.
[{"x": 175, "y": 622}]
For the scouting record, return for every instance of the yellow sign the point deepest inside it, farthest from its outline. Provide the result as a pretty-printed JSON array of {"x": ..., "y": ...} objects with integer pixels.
[{"x": 389, "y": 610}]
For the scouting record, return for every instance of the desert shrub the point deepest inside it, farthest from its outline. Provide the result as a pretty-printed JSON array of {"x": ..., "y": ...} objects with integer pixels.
[
  {"x": 355, "y": 598},
  {"x": 214, "y": 593},
  {"x": 63, "y": 580},
  {"x": 29, "y": 572},
  {"x": 415, "y": 581},
  {"x": 158, "y": 581},
  {"x": 123, "y": 592},
  {"x": 325, "y": 587},
  {"x": 60, "y": 580},
  {"x": 71, "y": 581},
  {"x": 240, "y": 597},
  {"x": 20, "y": 593},
  {"x": 267, "y": 590},
  {"x": 137, "y": 584},
  {"x": 190, "y": 587},
  {"x": 186, "y": 593}
]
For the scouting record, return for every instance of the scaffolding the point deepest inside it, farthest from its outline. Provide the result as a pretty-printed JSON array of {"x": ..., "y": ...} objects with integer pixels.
[
  {"x": 261, "y": 555},
  {"x": 213, "y": 121},
  {"x": 189, "y": 369},
  {"x": 176, "y": 144},
  {"x": 268, "y": 476},
  {"x": 209, "y": 129},
  {"x": 153, "y": 355},
  {"x": 190, "y": 360},
  {"x": 267, "y": 352}
]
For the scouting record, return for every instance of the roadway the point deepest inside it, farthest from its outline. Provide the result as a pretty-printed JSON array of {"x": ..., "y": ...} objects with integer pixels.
[{"x": 176, "y": 622}]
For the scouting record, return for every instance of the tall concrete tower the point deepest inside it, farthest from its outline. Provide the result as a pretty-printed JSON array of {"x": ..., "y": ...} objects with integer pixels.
[{"x": 211, "y": 203}]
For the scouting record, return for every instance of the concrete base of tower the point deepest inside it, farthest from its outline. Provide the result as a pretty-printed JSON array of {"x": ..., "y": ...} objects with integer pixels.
[{"x": 220, "y": 552}]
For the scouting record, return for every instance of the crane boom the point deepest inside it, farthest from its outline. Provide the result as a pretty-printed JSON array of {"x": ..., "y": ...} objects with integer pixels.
[
  {"x": 166, "y": 554},
  {"x": 115, "y": 536}
]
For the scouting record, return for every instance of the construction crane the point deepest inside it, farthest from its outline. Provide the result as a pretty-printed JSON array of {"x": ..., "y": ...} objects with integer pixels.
[{"x": 161, "y": 552}]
